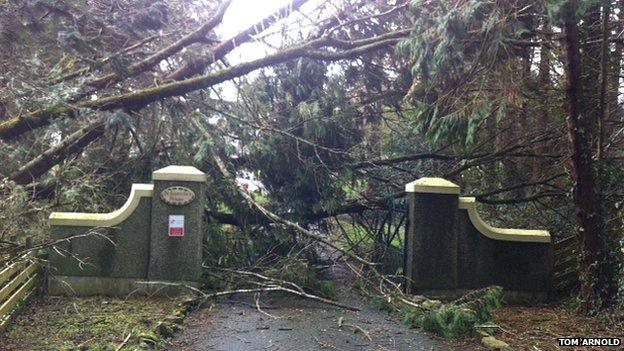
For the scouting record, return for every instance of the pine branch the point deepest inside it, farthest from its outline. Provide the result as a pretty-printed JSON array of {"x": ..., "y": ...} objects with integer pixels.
[
  {"x": 16, "y": 126},
  {"x": 229, "y": 178}
]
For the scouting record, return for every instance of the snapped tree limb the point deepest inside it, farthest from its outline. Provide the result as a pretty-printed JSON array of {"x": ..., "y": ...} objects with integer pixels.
[
  {"x": 16, "y": 126},
  {"x": 73, "y": 144},
  {"x": 198, "y": 64},
  {"x": 194, "y": 37}
]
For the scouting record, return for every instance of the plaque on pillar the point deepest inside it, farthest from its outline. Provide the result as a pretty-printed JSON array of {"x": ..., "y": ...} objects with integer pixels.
[{"x": 177, "y": 224}]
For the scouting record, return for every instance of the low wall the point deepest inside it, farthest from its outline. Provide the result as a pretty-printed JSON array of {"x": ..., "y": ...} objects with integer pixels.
[
  {"x": 123, "y": 249},
  {"x": 129, "y": 249},
  {"x": 450, "y": 249}
]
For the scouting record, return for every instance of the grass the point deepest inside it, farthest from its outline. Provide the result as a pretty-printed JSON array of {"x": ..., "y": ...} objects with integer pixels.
[
  {"x": 96, "y": 323},
  {"x": 357, "y": 234}
]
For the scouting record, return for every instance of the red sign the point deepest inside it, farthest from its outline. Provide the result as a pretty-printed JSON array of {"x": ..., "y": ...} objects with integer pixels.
[{"x": 176, "y": 225}]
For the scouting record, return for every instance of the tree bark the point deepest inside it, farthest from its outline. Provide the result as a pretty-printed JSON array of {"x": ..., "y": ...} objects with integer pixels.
[
  {"x": 543, "y": 112},
  {"x": 604, "y": 78},
  {"x": 194, "y": 37},
  {"x": 73, "y": 144},
  {"x": 580, "y": 126},
  {"x": 16, "y": 126},
  {"x": 198, "y": 64}
]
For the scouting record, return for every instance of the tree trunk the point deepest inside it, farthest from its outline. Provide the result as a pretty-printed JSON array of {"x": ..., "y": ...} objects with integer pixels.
[
  {"x": 595, "y": 292},
  {"x": 73, "y": 144},
  {"x": 604, "y": 78},
  {"x": 543, "y": 113}
]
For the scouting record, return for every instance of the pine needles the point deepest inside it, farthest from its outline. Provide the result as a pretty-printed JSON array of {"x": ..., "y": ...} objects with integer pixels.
[{"x": 457, "y": 318}]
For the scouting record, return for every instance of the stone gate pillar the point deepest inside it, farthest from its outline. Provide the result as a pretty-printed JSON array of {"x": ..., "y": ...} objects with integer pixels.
[
  {"x": 177, "y": 224},
  {"x": 432, "y": 236}
]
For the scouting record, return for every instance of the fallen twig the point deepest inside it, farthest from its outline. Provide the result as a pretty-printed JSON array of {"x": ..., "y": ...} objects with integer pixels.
[
  {"x": 257, "y": 300},
  {"x": 326, "y": 345},
  {"x": 270, "y": 288},
  {"x": 263, "y": 277},
  {"x": 342, "y": 323},
  {"x": 124, "y": 342},
  {"x": 186, "y": 286}
]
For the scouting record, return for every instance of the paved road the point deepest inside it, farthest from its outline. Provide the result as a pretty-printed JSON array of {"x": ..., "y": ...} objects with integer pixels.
[{"x": 295, "y": 324}]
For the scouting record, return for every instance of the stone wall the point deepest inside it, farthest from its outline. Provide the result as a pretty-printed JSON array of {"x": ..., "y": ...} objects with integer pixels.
[
  {"x": 450, "y": 249},
  {"x": 129, "y": 250}
]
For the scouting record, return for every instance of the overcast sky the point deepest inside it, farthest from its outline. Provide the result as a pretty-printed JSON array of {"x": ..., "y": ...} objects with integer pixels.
[
  {"x": 239, "y": 16},
  {"x": 243, "y": 13}
]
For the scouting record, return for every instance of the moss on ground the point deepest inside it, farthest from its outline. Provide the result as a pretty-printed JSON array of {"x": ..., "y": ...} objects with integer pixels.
[{"x": 96, "y": 323}]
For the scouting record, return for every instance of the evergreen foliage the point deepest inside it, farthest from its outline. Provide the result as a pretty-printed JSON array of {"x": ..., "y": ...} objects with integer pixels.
[
  {"x": 453, "y": 320},
  {"x": 350, "y": 102}
]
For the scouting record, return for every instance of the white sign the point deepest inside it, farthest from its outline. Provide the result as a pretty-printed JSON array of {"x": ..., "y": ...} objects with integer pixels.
[{"x": 176, "y": 225}]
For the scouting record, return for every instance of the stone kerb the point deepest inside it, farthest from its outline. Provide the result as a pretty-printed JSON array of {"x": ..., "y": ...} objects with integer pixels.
[{"x": 449, "y": 248}]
